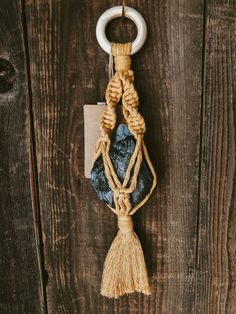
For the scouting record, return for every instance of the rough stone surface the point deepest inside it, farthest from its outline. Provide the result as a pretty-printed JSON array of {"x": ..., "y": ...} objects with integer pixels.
[{"x": 121, "y": 151}]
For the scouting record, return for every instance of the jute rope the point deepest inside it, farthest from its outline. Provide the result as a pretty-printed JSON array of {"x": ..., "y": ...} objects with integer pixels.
[{"x": 124, "y": 268}]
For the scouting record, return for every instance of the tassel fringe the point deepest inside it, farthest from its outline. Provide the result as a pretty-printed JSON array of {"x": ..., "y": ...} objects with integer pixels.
[{"x": 124, "y": 268}]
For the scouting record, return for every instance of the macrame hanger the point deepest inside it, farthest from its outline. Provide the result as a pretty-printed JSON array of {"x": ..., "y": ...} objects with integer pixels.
[{"x": 124, "y": 268}]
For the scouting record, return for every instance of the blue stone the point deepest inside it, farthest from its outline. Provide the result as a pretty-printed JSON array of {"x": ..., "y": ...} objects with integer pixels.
[{"x": 121, "y": 150}]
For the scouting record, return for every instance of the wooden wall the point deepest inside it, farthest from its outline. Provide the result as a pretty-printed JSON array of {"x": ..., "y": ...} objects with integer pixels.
[{"x": 54, "y": 232}]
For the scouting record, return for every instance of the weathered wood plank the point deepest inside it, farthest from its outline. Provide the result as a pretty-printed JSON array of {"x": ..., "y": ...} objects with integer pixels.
[
  {"x": 68, "y": 70},
  {"x": 20, "y": 274},
  {"x": 217, "y": 234}
]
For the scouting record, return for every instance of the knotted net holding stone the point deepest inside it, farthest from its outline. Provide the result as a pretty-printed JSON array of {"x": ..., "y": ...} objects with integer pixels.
[{"x": 121, "y": 87}]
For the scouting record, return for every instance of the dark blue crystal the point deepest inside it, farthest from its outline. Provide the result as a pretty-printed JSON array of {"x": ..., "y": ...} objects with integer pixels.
[{"x": 120, "y": 153}]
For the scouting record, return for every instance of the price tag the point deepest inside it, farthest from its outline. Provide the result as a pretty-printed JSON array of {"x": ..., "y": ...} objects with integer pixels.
[{"x": 92, "y": 133}]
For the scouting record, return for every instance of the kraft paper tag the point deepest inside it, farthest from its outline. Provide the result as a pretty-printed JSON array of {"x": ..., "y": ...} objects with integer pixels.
[{"x": 92, "y": 133}]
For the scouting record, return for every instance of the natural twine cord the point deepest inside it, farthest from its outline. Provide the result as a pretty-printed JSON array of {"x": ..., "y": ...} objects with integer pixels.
[{"x": 124, "y": 269}]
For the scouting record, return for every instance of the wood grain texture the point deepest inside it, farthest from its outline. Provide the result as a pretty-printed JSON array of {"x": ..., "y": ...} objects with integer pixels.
[
  {"x": 20, "y": 272},
  {"x": 217, "y": 234},
  {"x": 67, "y": 70},
  {"x": 185, "y": 76}
]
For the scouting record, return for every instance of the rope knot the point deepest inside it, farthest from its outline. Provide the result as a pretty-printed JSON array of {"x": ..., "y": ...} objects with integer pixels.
[
  {"x": 121, "y": 53},
  {"x": 125, "y": 223},
  {"x": 136, "y": 123}
]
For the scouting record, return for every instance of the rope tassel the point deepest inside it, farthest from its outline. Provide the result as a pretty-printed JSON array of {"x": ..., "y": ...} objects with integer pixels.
[{"x": 124, "y": 269}]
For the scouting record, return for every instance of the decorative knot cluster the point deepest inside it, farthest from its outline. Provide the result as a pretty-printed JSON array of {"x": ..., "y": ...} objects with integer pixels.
[{"x": 121, "y": 86}]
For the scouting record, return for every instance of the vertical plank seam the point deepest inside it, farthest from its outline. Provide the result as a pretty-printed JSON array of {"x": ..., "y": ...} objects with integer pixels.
[
  {"x": 204, "y": 35},
  {"x": 34, "y": 169}
]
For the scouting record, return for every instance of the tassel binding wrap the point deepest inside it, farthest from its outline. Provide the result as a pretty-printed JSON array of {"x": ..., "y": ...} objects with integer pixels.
[{"x": 124, "y": 269}]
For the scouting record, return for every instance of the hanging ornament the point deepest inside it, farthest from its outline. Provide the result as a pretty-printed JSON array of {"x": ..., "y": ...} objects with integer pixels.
[{"x": 122, "y": 173}]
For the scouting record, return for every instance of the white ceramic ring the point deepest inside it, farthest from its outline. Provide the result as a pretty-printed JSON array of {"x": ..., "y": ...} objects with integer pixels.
[{"x": 113, "y": 13}]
